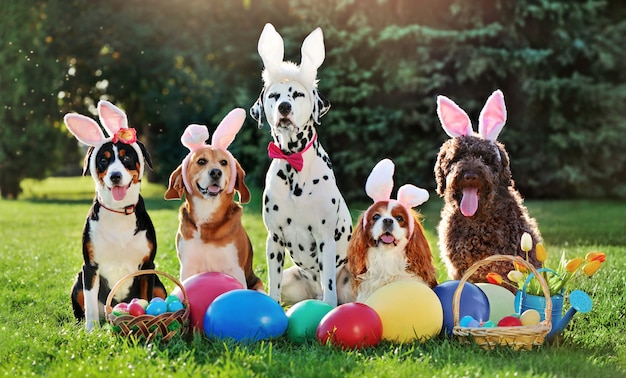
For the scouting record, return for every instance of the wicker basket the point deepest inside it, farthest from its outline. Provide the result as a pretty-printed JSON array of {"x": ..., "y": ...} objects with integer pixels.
[
  {"x": 522, "y": 337},
  {"x": 147, "y": 326}
]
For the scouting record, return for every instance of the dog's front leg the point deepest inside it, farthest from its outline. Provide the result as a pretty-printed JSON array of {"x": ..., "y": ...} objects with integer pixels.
[
  {"x": 275, "y": 254},
  {"x": 328, "y": 270},
  {"x": 91, "y": 285}
]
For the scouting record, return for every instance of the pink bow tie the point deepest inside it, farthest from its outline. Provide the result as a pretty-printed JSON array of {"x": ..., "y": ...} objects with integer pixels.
[{"x": 295, "y": 159}]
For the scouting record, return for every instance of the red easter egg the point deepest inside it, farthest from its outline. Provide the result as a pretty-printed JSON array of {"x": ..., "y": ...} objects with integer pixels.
[
  {"x": 136, "y": 309},
  {"x": 351, "y": 326},
  {"x": 201, "y": 290},
  {"x": 509, "y": 321}
]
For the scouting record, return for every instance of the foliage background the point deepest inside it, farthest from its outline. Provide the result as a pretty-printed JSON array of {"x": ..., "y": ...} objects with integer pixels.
[{"x": 171, "y": 63}]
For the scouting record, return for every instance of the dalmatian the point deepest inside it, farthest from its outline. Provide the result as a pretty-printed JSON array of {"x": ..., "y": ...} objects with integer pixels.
[{"x": 304, "y": 212}]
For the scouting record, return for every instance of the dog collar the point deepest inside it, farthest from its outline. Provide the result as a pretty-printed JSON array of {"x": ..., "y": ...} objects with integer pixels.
[
  {"x": 295, "y": 159},
  {"x": 128, "y": 210}
]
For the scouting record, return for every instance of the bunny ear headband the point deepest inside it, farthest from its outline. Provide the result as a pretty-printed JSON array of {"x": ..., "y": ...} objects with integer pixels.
[
  {"x": 455, "y": 121},
  {"x": 195, "y": 137},
  {"x": 379, "y": 185},
  {"x": 114, "y": 122},
  {"x": 271, "y": 49}
]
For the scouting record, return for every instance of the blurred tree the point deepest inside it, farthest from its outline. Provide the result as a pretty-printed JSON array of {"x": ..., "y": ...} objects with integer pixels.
[{"x": 31, "y": 145}]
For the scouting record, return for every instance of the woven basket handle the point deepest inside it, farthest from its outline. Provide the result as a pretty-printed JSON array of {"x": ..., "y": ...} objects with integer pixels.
[
  {"x": 456, "y": 300},
  {"x": 107, "y": 307}
]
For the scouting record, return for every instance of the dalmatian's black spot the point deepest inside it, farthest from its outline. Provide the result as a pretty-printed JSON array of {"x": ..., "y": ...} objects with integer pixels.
[
  {"x": 297, "y": 191},
  {"x": 282, "y": 244},
  {"x": 314, "y": 276},
  {"x": 338, "y": 235},
  {"x": 279, "y": 257},
  {"x": 282, "y": 174},
  {"x": 330, "y": 284},
  {"x": 313, "y": 248},
  {"x": 267, "y": 209},
  {"x": 310, "y": 228},
  {"x": 288, "y": 244},
  {"x": 266, "y": 199},
  {"x": 323, "y": 221},
  {"x": 275, "y": 208},
  {"x": 275, "y": 238},
  {"x": 288, "y": 221},
  {"x": 321, "y": 266},
  {"x": 321, "y": 247},
  {"x": 325, "y": 177},
  {"x": 316, "y": 181},
  {"x": 333, "y": 200},
  {"x": 301, "y": 247}
]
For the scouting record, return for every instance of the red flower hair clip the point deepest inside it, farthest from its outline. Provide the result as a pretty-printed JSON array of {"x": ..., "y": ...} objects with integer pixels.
[{"x": 126, "y": 136}]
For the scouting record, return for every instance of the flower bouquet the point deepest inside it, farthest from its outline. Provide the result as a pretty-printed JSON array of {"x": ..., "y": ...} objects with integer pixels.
[{"x": 557, "y": 278}]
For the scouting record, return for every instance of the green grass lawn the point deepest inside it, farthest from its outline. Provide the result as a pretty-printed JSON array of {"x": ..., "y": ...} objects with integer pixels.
[{"x": 40, "y": 256}]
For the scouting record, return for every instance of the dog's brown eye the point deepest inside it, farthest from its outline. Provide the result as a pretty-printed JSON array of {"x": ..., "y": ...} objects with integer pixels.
[
  {"x": 399, "y": 218},
  {"x": 201, "y": 161},
  {"x": 224, "y": 163},
  {"x": 376, "y": 217}
]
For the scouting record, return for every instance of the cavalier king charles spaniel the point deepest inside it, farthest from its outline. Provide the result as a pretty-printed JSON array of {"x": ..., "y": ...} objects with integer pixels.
[{"x": 388, "y": 242}]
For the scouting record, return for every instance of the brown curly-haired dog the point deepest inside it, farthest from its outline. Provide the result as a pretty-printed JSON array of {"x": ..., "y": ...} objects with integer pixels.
[{"x": 483, "y": 213}]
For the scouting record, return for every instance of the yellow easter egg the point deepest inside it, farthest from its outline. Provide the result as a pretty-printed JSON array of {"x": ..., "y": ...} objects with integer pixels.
[{"x": 530, "y": 317}]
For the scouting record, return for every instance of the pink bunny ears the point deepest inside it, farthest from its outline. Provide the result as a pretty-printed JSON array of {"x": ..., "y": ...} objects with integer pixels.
[
  {"x": 113, "y": 120},
  {"x": 379, "y": 185},
  {"x": 195, "y": 137},
  {"x": 271, "y": 49},
  {"x": 455, "y": 121}
]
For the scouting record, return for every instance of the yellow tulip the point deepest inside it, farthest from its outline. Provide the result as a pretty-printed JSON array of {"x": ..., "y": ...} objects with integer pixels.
[
  {"x": 541, "y": 253},
  {"x": 527, "y": 242},
  {"x": 520, "y": 267},
  {"x": 591, "y": 267},
  {"x": 494, "y": 278},
  {"x": 515, "y": 276},
  {"x": 593, "y": 256},
  {"x": 573, "y": 264}
]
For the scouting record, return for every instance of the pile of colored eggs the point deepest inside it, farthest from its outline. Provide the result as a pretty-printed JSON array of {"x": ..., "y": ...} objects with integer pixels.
[
  {"x": 157, "y": 306},
  {"x": 527, "y": 318}
]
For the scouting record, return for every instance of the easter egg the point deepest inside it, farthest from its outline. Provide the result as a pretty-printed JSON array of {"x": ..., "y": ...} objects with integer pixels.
[
  {"x": 304, "y": 317},
  {"x": 136, "y": 309},
  {"x": 156, "y": 308},
  {"x": 172, "y": 298},
  {"x": 469, "y": 322},
  {"x": 530, "y": 317},
  {"x": 409, "y": 310},
  {"x": 120, "y": 309},
  {"x": 489, "y": 324},
  {"x": 140, "y": 301},
  {"x": 350, "y": 326},
  {"x": 201, "y": 290},
  {"x": 509, "y": 321},
  {"x": 245, "y": 315},
  {"x": 175, "y": 306},
  {"x": 501, "y": 300},
  {"x": 473, "y": 302}
]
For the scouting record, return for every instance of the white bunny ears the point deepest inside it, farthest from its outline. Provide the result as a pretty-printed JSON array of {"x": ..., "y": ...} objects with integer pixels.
[
  {"x": 271, "y": 49},
  {"x": 455, "y": 121},
  {"x": 195, "y": 137},
  {"x": 114, "y": 122},
  {"x": 379, "y": 185}
]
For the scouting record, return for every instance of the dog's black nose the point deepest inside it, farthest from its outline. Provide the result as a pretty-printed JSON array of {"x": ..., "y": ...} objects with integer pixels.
[
  {"x": 115, "y": 177},
  {"x": 284, "y": 108},
  {"x": 470, "y": 177},
  {"x": 387, "y": 224},
  {"x": 215, "y": 174}
]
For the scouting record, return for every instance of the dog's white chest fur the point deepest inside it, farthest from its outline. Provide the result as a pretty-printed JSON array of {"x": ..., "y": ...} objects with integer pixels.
[
  {"x": 117, "y": 249},
  {"x": 199, "y": 257},
  {"x": 383, "y": 267}
]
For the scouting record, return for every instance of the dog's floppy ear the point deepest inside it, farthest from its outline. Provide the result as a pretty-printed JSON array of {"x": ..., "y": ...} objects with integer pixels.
[
  {"x": 357, "y": 248},
  {"x": 505, "y": 172},
  {"x": 454, "y": 120},
  {"x": 419, "y": 256},
  {"x": 240, "y": 185},
  {"x": 176, "y": 187},
  {"x": 256, "y": 111},
  {"x": 441, "y": 166},
  {"x": 87, "y": 159},
  {"x": 313, "y": 55},
  {"x": 492, "y": 117},
  {"x": 145, "y": 153},
  {"x": 320, "y": 106}
]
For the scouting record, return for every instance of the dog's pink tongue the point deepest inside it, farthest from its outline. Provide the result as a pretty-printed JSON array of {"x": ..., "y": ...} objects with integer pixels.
[
  {"x": 469, "y": 202},
  {"x": 119, "y": 192},
  {"x": 387, "y": 239},
  {"x": 214, "y": 189}
]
